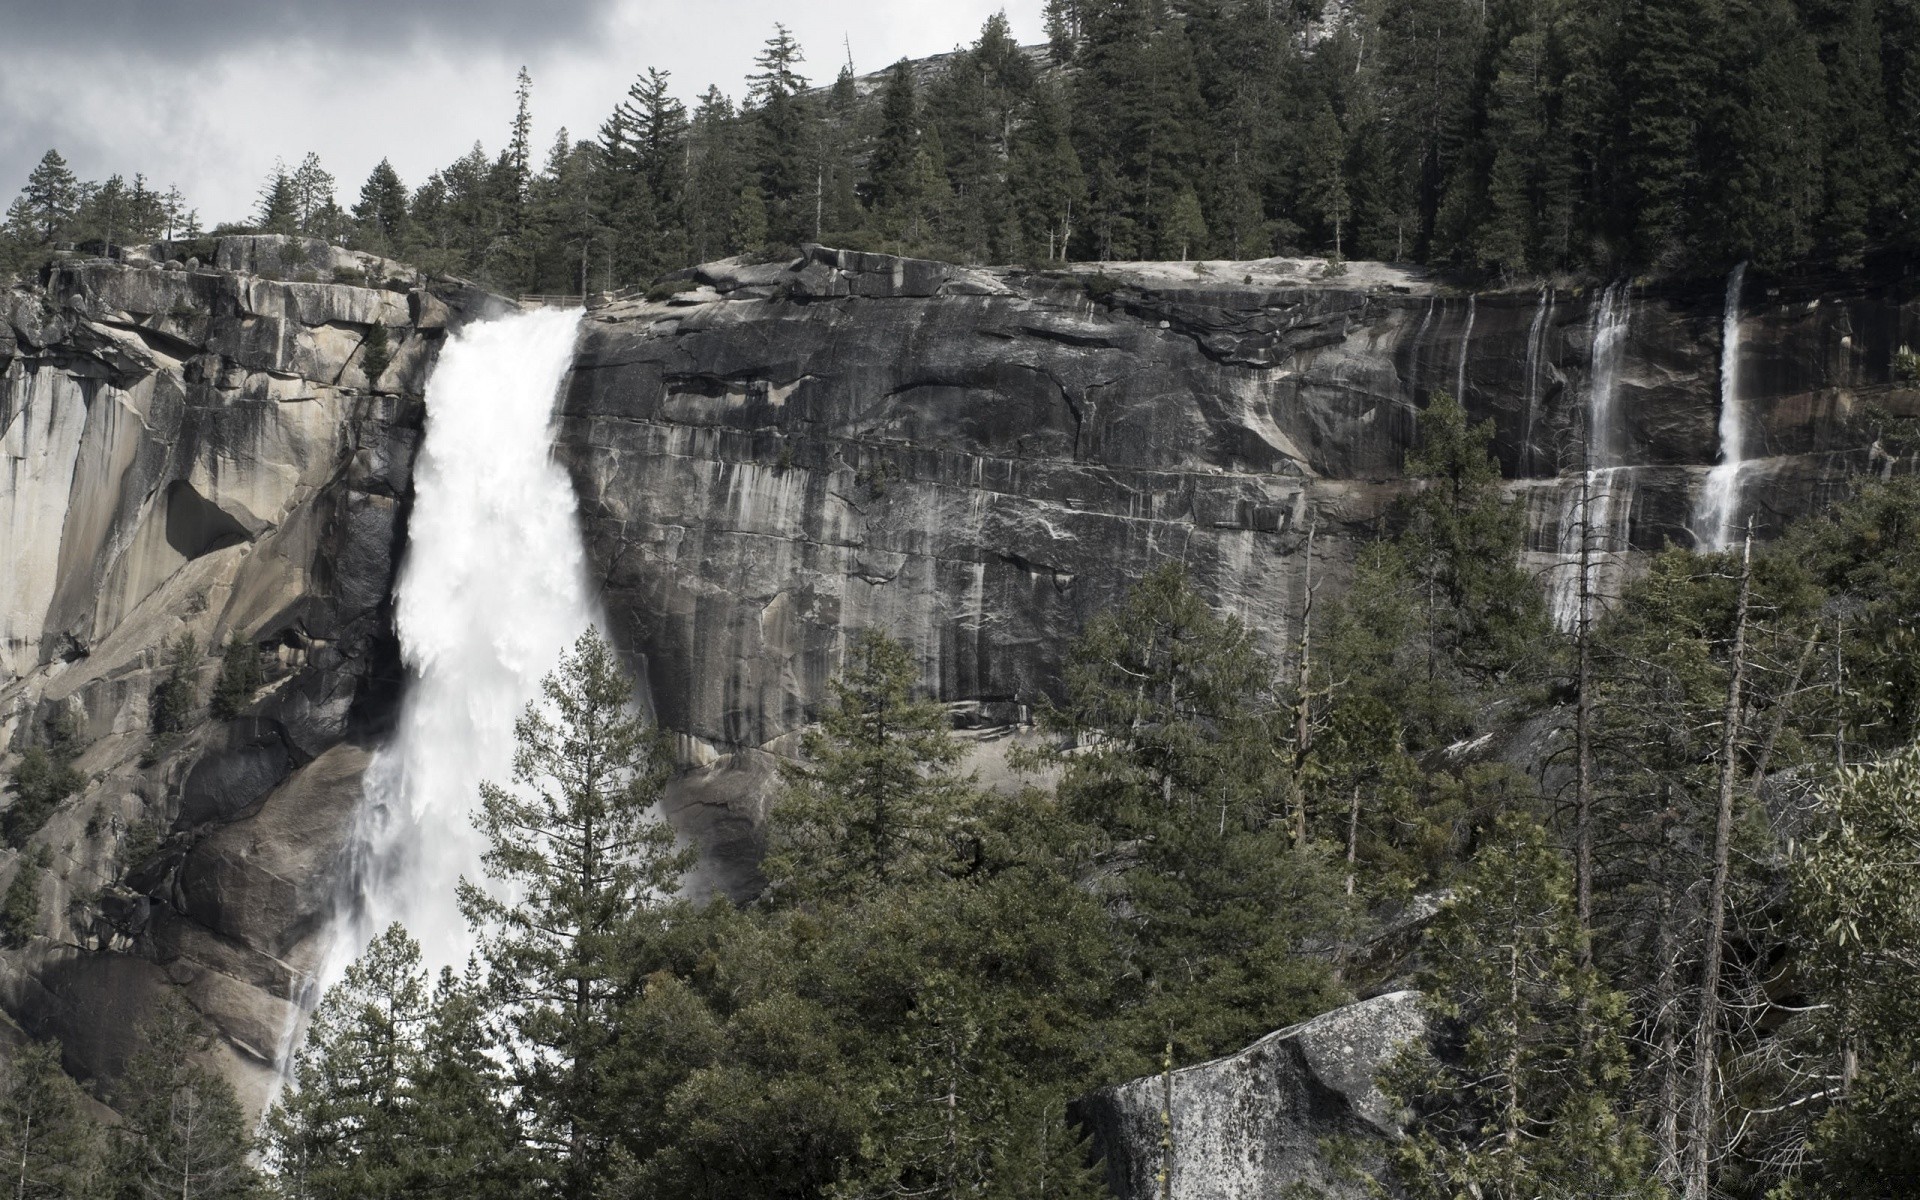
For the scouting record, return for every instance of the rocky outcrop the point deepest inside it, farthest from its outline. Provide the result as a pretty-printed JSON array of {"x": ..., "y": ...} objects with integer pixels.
[
  {"x": 196, "y": 452},
  {"x": 771, "y": 458},
  {"x": 977, "y": 460},
  {"x": 1297, "y": 1110}
]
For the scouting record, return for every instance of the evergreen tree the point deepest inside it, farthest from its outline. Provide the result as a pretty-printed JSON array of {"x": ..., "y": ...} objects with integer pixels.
[
  {"x": 313, "y": 201},
  {"x": 49, "y": 1142},
  {"x": 1521, "y": 1092},
  {"x": 347, "y": 1125},
  {"x": 878, "y": 797},
  {"x": 1175, "y": 777},
  {"x": 44, "y": 777},
  {"x": 48, "y": 202},
  {"x": 184, "y": 1136},
  {"x": 382, "y": 211},
  {"x": 588, "y": 861},
  {"x": 279, "y": 210},
  {"x": 240, "y": 673},
  {"x": 1857, "y": 902},
  {"x": 781, "y": 116},
  {"x": 893, "y": 167}
]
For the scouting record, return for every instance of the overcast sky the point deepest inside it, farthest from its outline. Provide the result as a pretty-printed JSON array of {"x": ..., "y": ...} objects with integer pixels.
[{"x": 207, "y": 93}]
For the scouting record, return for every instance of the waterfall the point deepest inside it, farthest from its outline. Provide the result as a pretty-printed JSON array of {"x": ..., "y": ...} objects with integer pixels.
[
  {"x": 1536, "y": 357},
  {"x": 492, "y": 590},
  {"x": 1719, "y": 506},
  {"x": 1466, "y": 350},
  {"x": 1596, "y": 508}
]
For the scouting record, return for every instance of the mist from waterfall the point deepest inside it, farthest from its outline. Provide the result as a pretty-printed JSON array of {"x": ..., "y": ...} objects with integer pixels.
[
  {"x": 493, "y": 588},
  {"x": 1596, "y": 507},
  {"x": 1719, "y": 505}
]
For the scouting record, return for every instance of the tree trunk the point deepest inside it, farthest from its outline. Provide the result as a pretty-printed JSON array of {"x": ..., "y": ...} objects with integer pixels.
[
  {"x": 1706, "y": 1034},
  {"x": 1302, "y": 728},
  {"x": 1583, "y": 733}
]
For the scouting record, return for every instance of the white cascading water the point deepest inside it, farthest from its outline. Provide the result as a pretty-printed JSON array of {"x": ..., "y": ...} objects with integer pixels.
[
  {"x": 1719, "y": 506},
  {"x": 1596, "y": 508},
  {"x": 492, "y": 590},
  {"x": 1536, "y": 358},
  {"x": 1466, "y": 349}
]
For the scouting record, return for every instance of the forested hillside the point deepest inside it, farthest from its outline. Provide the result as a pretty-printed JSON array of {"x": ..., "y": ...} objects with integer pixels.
[{"x": 1506, "y": 139}]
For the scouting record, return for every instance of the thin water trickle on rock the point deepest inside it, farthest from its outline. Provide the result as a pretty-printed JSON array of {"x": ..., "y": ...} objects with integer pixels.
[
  {"x": 1596, "y": 506},
  {"x": 1719, "y": 506},
  {"x": 492, "y": 590}
]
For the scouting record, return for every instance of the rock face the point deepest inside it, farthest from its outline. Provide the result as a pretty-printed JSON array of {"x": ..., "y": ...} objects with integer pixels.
[
  {"x": 199, "y": 453},
  {"x": 1262, "y": 1121},
  {"x": 976, "y": 460},
  {"x": 779, "y": 455}
]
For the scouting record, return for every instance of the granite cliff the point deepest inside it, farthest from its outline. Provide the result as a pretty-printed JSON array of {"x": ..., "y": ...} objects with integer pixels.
[{"x": 767, "y": 458}]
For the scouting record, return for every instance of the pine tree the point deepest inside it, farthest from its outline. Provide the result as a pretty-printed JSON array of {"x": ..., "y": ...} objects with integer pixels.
[
  {"x": 1171, "y": 712},
  {"x": 877, "y": 798},
  {"x": 50, "y": 1145},
  {"x": 347, "y": 1125},
  {"x": 279, "y": 210},
  {"x": 1857, "y": 903},
  {"x": 782, "y": 119},
  {"x": 578, "y": 842},
  {"x": 312, "y": 194},
  {"x": 44, "y": 777},
  {"x": 48, "y": 202},
  {"x": 1521, "y": 1092},
  {"x": 893, "y": 165},
  {"x": 184, "y": 1136},
  {"x": 520, "y": 137},
  {"x": 382, "y": 210},
  {"x": 715, "y": 177}
]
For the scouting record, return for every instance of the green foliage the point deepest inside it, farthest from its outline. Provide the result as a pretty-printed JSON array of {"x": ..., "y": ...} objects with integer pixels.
[
  {"x": 392, "y": 1094},
  {"x": 44, "y": 777},
  {"x": 877, "y": 799},
  {"x": 1172, "y": 716},
  {"x": 175, "y": 700},
  {"x": 377, "y": 355},
  {"x": 1857, "y": 902},
  {"x": 20, "y": 910},
  {"x": 588, "y": 862},
  {"x": 1520, "y": 1091},
  {"x": 52, "y": 1146},
  {"x": 240, "y": 676},
  {"x": 183, "y": 1131}
]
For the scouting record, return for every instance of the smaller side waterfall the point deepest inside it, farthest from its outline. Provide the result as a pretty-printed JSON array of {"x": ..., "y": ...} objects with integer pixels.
[
  {"x": 1536, "y": 360},
  {"x": 1466, "y": 352},
  {"x": 1719, "y": 507},
  {"x": 1596, "y": 506}
]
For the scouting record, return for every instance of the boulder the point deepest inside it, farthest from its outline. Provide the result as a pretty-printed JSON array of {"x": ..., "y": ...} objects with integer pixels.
[{"x": 1298, "y": 1109}]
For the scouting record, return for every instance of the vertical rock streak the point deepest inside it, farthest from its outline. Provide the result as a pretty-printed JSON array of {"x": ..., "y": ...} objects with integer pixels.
[
  {"x": 492, "y": 590},
  {"x": 1719, "y": 505}
]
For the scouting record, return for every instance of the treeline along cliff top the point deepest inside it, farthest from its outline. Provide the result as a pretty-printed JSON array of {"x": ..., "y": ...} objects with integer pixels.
[{"x": 1503, "y": 139}]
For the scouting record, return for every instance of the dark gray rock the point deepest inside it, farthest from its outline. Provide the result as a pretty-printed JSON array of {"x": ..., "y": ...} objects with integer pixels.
[
  {"x": 977, "y": 461},
  {"x": 1260, "y": 1122}
]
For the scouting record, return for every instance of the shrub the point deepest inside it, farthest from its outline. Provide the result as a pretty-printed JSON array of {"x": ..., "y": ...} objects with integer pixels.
[
  {"x": 377, "y": 354},
  {"x": 43, "y": 779},
  {"x": 240, "y": 678}
]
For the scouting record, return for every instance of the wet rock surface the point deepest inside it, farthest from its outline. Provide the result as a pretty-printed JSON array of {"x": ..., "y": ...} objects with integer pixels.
[
  {"x": 191, "y": 451},
  {"x": 767, "y": 461},
  {"x": 977, "y": 460}
]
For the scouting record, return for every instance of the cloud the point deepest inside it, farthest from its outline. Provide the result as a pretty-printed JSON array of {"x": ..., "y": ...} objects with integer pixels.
[{"x": 216, "y": 28}]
